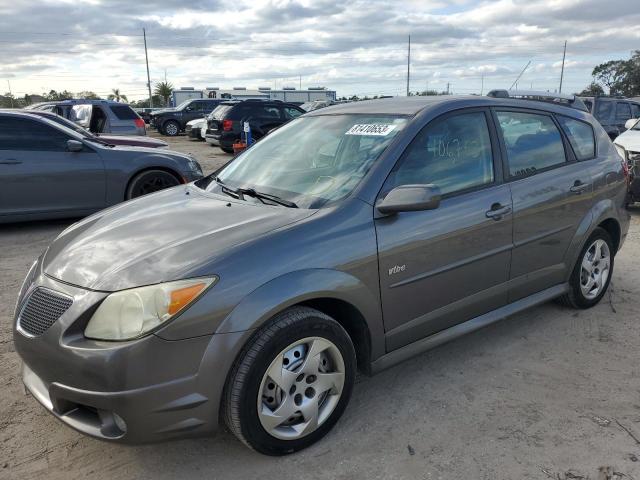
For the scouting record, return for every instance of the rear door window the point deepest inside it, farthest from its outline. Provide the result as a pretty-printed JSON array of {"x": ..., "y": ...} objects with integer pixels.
[
  {"x": 580, "y": 135},
  {"x": 533, "y": 142},
  {"x": 604, "y": 109},
  {"x": 623, "y": 111},
  {"x": 635, "y": 110},
  {"x": 290, "y": 112},
  {"x": 453, "y": 153},
  {"x": 268, "y": 112},
  {"x": 30, "y": 135},
  {"x": 124, "y": 112}
]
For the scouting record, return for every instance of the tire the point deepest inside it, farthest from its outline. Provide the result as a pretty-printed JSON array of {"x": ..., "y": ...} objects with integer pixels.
[
  {"x": 171, "y": 128},
  {"x": 150, "y": 181},
  {"x": 579, "y": 281},
  {"x": 291, "y": 338},
  {"x": 227, "y": 149}
]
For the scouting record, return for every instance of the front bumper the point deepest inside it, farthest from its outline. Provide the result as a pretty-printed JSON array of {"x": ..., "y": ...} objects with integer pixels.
[{"x": 139, "y": 391}]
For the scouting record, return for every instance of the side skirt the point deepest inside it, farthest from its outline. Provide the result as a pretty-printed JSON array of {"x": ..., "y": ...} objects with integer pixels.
[{"x": 401, "y": 354}]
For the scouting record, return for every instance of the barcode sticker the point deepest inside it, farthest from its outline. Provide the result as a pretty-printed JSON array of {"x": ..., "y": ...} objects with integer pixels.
[{"x": 375, "y": 129}]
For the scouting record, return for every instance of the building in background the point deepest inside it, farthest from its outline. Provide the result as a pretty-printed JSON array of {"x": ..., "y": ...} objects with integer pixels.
[{"x": 287, "y": 94}]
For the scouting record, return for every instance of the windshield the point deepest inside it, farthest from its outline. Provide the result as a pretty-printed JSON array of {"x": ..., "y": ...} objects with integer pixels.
[
  {"x": 220, "y": 111},
  {"x": 184, "y": 104},
  {"x": 310, "y": 161},
  {"x": 69, "y": 124}
]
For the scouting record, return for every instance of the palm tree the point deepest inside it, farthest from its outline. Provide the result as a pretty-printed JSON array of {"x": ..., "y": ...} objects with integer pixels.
[
  {"x": 117, "y": 96},
  {"x": 164, "y": 90}
]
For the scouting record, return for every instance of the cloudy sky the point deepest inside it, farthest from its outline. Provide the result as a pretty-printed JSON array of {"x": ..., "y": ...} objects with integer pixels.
[{"x": 352, "y": 46}]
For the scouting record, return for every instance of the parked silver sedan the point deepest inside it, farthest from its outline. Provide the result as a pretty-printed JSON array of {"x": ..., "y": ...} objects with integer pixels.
[{"x": 50, "y": 171}]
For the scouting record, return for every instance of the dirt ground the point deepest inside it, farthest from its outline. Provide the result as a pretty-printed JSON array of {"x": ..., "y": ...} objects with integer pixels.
[{"x": 549, "y": 393}]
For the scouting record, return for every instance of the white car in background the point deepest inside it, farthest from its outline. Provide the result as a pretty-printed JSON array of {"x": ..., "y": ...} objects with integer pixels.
[
  {"x": 629, "y": 141},
  {"x": 193, "y": 129}
]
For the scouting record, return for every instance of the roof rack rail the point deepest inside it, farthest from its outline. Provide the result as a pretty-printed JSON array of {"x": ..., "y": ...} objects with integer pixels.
[{"x": 568, "y": 100}]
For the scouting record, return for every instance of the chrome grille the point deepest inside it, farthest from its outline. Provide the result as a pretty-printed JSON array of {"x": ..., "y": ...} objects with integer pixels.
[{"x": 42, "y": 309}]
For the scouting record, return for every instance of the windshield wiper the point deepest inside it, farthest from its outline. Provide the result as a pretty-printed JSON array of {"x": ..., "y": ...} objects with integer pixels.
[{"x": 251, "y": 192}]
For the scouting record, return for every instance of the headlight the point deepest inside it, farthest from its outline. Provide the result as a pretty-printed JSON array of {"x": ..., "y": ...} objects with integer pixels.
[
  {"x": 131, "y": 313},
  {"x": 621, "y": 151},
  {"x": 195, "y": 167}
]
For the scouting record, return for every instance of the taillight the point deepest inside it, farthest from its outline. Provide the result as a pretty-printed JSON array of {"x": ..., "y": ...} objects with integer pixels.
[
  {"x": 227, "y": 125},
  {"x": 139, "y": 122}
]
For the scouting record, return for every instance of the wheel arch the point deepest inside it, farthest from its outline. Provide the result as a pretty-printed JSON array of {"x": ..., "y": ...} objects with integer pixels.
[
  {"x": 142, "y": 170},
  {"x": 612, "y": 227},
  {"x": 337, "y": 294}
]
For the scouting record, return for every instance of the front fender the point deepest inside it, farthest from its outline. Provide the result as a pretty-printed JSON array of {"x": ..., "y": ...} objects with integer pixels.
[{"x": 296, "y": 287}]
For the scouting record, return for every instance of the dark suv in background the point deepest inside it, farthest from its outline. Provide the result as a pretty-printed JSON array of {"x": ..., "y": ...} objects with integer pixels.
[
  {"x": 224, "y": 125},
  {"x": 612, "y": 112},
  {"x": 172, "y": 121}
]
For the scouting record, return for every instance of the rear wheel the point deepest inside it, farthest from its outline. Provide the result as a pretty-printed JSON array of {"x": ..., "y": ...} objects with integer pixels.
[
  {"x": 592, "y": 273},
  {"x": 171, "y": 128},
  {"x": 291, "y": 383},
  {"x": 149, "y": 182}
]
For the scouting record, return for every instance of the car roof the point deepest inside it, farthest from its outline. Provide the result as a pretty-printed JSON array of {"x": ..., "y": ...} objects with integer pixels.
[
  {"x": 80, "y": 101},
  {"x": 411, "y": 106}
]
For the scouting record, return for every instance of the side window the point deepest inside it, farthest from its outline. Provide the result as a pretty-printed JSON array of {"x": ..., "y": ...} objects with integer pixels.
[
  {"x": 603, "y": 110},
  {"x": 124, "y": 112},
  {"x": 270, "y": 112},
  {"x": 623, "y": 111},
  {"x": 30, "y": 135},
  {"x": 291, "y": 112},
  {"x": 635, "y": 110},
  {"x": 453, "y": 153},
  {"x": 533, "y": 142},
  {"x": 580, "y": 136}
]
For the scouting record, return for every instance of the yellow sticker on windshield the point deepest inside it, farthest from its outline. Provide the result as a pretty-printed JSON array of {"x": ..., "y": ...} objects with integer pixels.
[{"x": 375, "y": 129}]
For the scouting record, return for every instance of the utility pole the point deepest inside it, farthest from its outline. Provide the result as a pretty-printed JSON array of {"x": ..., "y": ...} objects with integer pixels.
[
  {"x": 482, "y": 85},
  {"x": 408, "y": 64},
  {"x": 300, "y": 85},
  {"x": 146, "y": 56},
  {"x": 448, "y": 88},
  {"x": 564, "y": 54},
  {"x": 10, "y": 95}
]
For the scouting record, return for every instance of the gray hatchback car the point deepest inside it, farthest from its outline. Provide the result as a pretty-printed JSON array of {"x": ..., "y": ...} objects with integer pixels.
[{"x": 348, "y": 240}]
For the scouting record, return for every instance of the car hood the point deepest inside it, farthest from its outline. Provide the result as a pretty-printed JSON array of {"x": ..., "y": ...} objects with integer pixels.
[
  {"x": 137, "y": 149},
  {"x": 629, "y": 140},
  {"x": 173, "y": 234},
  {"x": 164, "y": 110}
]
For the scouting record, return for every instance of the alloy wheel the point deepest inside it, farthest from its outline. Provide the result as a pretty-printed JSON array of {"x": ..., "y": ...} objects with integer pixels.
[
  {"x": 171, "y": 129},
  {"x": 301, "y": 388},
  {"x": 595, "y": 269}
]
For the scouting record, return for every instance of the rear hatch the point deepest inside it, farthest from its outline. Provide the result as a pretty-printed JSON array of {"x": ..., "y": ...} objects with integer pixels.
[{"x": 215, "y": 118}]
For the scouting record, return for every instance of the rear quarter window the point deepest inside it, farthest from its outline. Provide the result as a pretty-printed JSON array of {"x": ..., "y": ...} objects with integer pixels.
[
  {"x": 124, "y": 112},
  {"x": 581, "y": 137}
]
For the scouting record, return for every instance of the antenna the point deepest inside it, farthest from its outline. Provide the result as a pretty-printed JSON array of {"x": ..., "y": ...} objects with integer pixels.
[{"x": 525, "y": 67}]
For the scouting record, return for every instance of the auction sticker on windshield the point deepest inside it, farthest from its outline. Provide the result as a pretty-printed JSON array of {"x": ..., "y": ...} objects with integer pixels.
[{"x": 376, "y": 129}]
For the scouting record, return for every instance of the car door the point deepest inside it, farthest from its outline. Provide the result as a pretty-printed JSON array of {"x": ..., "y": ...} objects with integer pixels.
[
  {"x": 551, "y": 192},
  {"x": 441, "y": 267},
  {"x": 39, "y": 174},
  {"x": 623, "y": 113}
]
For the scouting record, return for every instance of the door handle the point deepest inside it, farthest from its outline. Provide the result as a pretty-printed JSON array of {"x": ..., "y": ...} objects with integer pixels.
[
  {"x": 579, "y": 187},
  {"x": 10, "y": 161},
  {"x": 497, "y": 211}
]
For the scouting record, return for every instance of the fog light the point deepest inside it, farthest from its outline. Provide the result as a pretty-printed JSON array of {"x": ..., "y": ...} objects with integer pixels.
[{"x": 120, "y": 423}]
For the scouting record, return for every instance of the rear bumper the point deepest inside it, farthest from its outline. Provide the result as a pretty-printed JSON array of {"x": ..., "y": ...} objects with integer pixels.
[
  {"x": 140, "y": 391},
  {"x": 221, "y": 139}
]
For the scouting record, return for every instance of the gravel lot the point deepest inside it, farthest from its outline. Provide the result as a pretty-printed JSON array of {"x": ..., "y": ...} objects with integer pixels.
[{"x": 550, "y": 393}]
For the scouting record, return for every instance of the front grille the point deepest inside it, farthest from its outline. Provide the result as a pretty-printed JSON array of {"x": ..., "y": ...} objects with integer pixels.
[{"x": 42, "y": 309}]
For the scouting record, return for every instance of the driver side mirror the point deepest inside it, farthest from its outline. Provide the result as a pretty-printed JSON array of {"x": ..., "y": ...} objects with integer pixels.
[
  {"x": 74, "y": 146},
  {"x": 410, "y": 198},
  {"x": 630, "y": 123}
]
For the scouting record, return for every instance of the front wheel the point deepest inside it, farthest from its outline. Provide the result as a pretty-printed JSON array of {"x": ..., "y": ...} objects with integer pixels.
[
  {"x": 592, "y": 273},
  {"x": 171, "y": 128},
  {"x": 149, "y": 182},
  {"x": 291, "y": 383}
]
